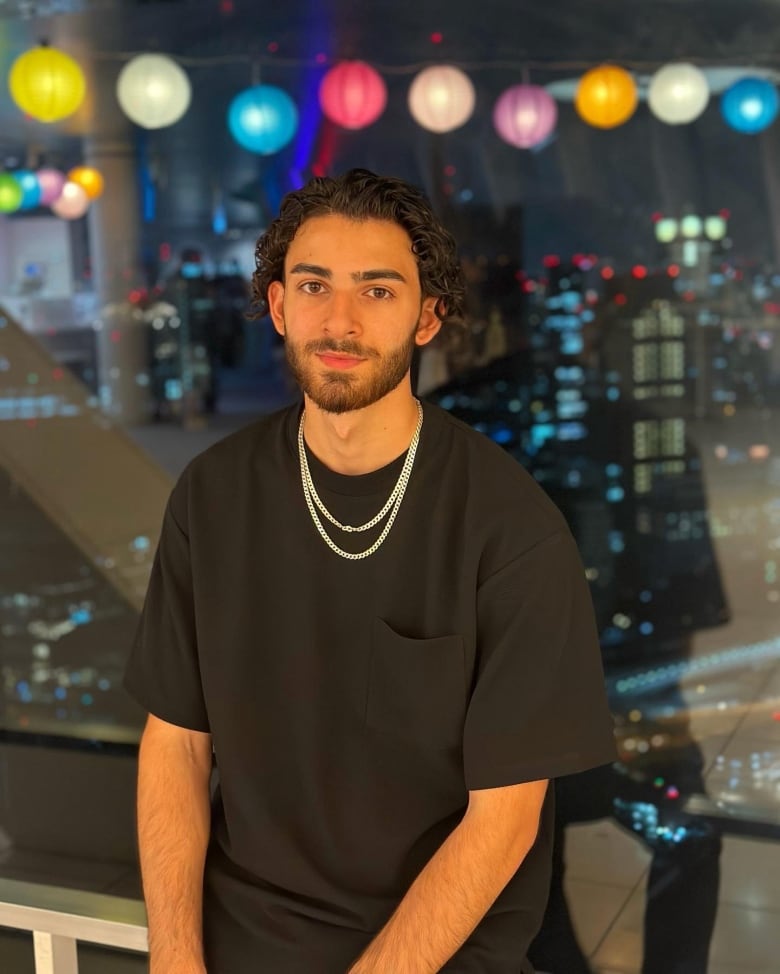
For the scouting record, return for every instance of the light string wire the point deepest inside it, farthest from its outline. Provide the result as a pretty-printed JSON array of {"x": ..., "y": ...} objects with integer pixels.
[{"x": 751, "y": 59}]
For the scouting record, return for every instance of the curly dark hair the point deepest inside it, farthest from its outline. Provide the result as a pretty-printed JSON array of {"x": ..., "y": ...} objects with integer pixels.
[{"x": 362, "y": 195}]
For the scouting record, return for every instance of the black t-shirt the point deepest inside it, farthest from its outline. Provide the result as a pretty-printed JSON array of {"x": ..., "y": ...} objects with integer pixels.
[{"x": 353, "y": 704}]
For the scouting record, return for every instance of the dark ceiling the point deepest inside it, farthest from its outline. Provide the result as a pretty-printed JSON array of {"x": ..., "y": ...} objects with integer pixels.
[{"x": 224, "y": 44}]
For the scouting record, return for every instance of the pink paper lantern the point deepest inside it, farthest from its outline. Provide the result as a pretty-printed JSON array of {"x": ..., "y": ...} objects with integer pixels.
[
  {"x": 72, "y": 203},
  {"x": 525, "y": 115},
  {"x": 51, "y": 182},
  {"x": 353, "y": 94}
]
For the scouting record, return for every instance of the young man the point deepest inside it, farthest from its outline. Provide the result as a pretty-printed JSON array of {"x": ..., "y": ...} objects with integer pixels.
[{"x": 380, "y": 626}]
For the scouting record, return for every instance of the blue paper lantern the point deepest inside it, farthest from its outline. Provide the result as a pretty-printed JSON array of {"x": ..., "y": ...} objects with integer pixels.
[
  {"x": 31, "y": 189},
  {"x": 263, "y": 119},
  {"x": 750, "y": 105}
]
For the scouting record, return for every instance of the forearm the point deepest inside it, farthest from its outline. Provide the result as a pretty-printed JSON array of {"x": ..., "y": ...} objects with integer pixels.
[
  {"x": 173, "y": 831},
  {"x": 450, "y": 896}
]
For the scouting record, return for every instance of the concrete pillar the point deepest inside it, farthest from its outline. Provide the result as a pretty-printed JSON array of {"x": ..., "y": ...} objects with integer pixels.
[{"x": 115, "y": 247}]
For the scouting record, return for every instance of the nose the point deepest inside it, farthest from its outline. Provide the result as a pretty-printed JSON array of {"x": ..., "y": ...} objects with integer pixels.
[{"x": 341, "y": 318}]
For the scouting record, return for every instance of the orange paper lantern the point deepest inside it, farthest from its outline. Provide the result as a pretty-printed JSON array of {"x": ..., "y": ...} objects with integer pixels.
[
  {"x": 90, "y": 180},
  {"x": 606, "y": 97}
]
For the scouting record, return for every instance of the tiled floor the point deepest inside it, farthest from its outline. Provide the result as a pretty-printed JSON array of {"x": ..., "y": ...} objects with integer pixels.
[{"x": 608, "y": 914}]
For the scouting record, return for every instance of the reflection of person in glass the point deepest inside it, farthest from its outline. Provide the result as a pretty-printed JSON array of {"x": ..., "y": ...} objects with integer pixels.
[
  {"x": 654, "y": 581},
  {"x": 667, "y": 574},
  {"x": 384, "y": 705},
  {"x": 660, "y": 764}
]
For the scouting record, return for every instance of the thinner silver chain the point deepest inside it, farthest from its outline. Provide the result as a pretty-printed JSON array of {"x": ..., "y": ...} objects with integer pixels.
[{"x": 393, "y": 504}]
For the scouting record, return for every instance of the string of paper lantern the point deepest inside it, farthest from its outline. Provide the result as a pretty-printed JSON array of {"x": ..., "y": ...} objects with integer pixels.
[
  {"x": 68, "y": 196},
  {"x": 154, "y": 91}
]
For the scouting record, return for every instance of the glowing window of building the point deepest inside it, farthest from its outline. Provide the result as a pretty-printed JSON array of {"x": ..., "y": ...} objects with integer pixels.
[
  {"x": 645, "y": 359},
  {"x": 673, "y": 437},
  {"x": 645, "y": 439},
  {"x": 643, "y": 478},
  {"x": 672, "y": 360},
  {"x": 645, "y": 326},
  {"x": 672, "y": 325}
]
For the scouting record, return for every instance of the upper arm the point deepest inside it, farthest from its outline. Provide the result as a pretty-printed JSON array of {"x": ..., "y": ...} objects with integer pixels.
[
  {"x": 173, "y": 739},
  {"x": 516, "y": 806}
]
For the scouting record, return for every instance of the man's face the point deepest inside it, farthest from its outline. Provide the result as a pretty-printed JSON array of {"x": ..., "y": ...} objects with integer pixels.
[{"x": 351, "y": 310}]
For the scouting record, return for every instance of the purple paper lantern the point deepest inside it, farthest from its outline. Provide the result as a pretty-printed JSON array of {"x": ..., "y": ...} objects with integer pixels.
[
  {"x": 51, "y": 182},
  {"x": 525, "y": 115}
]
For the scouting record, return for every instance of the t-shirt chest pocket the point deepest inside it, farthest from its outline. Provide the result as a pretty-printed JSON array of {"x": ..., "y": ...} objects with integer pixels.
[{"x": 417, "y": 688}]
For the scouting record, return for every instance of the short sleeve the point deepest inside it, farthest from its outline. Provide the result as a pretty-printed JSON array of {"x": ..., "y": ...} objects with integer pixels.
[
  {"x": 163, "y": 672},
  {"x": 539, "y": 705}
]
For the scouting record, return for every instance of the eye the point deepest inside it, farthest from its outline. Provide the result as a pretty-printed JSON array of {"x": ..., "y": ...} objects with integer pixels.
[
  {"x": 312, "y": 287},
  {"x": 381, "y": 293}
]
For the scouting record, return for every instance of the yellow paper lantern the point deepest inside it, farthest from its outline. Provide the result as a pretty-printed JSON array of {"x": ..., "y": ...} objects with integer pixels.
[
  {"x": 606, "y": 97},
  {"x": 47, "y": 84},
  {"x": 90, "y": 180}
]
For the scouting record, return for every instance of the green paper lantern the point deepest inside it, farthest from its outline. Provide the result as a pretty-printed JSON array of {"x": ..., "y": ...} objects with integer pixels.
[{"x": 11, "y": 193}]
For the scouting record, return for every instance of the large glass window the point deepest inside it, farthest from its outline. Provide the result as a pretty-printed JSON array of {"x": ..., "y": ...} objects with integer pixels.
[{"x": 621, "y": 341}]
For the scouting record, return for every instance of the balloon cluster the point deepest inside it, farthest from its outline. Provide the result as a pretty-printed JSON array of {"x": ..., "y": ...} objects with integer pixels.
[
  {"x": 68, "y": 195},
  {"x": 154, "y": 92}
]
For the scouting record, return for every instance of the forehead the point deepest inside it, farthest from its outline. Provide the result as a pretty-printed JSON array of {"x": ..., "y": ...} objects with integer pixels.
[{"x": 333, "y": 241}]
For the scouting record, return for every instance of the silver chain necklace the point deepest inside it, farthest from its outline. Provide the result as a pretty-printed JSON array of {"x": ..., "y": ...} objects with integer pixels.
[{"x": 393, "y": 501}]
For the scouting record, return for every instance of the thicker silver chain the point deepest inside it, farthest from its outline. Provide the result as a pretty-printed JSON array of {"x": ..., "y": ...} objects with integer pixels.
[{"x": 393, "y": 504}]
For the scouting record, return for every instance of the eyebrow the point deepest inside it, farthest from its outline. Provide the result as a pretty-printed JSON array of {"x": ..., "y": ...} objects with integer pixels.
[{"x": 378, "y": 274}]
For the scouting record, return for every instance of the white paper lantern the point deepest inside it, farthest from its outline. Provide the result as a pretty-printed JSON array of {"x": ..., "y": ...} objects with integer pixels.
[
  {"x": 72, "y": 203},
  {"x": 678, "y": 93},
  {"x": 153, "y": 91},
  {"x": 441, "y": 98}
]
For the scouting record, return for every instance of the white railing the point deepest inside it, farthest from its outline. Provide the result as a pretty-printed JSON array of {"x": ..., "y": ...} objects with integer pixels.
[{"x": 59, "y": 918}]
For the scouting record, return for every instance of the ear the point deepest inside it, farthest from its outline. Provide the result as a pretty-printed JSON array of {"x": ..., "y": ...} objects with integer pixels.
[
  {"x": 276, "y": 305},
  {"x": 429, "y": 324}
]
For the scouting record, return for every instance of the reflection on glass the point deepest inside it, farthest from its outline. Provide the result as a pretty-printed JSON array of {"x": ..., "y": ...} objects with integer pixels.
[{"x": 642, "y": 402}]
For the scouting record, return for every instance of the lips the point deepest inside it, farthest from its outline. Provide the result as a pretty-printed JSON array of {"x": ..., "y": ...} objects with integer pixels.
[{"x": 338, "y": 361}]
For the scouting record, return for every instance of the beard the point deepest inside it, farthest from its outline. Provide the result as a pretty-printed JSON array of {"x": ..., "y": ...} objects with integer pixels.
[{"x": 343, "y": 392}]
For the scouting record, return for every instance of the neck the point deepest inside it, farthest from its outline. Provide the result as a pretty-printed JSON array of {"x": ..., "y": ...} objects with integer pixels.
[{"x": 364, "y": 440}]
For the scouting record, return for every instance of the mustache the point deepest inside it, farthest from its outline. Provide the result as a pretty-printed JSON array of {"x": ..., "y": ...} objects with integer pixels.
[{"x": 346, "y": 347}]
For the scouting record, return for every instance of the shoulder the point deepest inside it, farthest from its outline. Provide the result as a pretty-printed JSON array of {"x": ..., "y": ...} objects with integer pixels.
[
  {"x": 498, "y": 483},
  {"x": 223, "y": 471}
]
